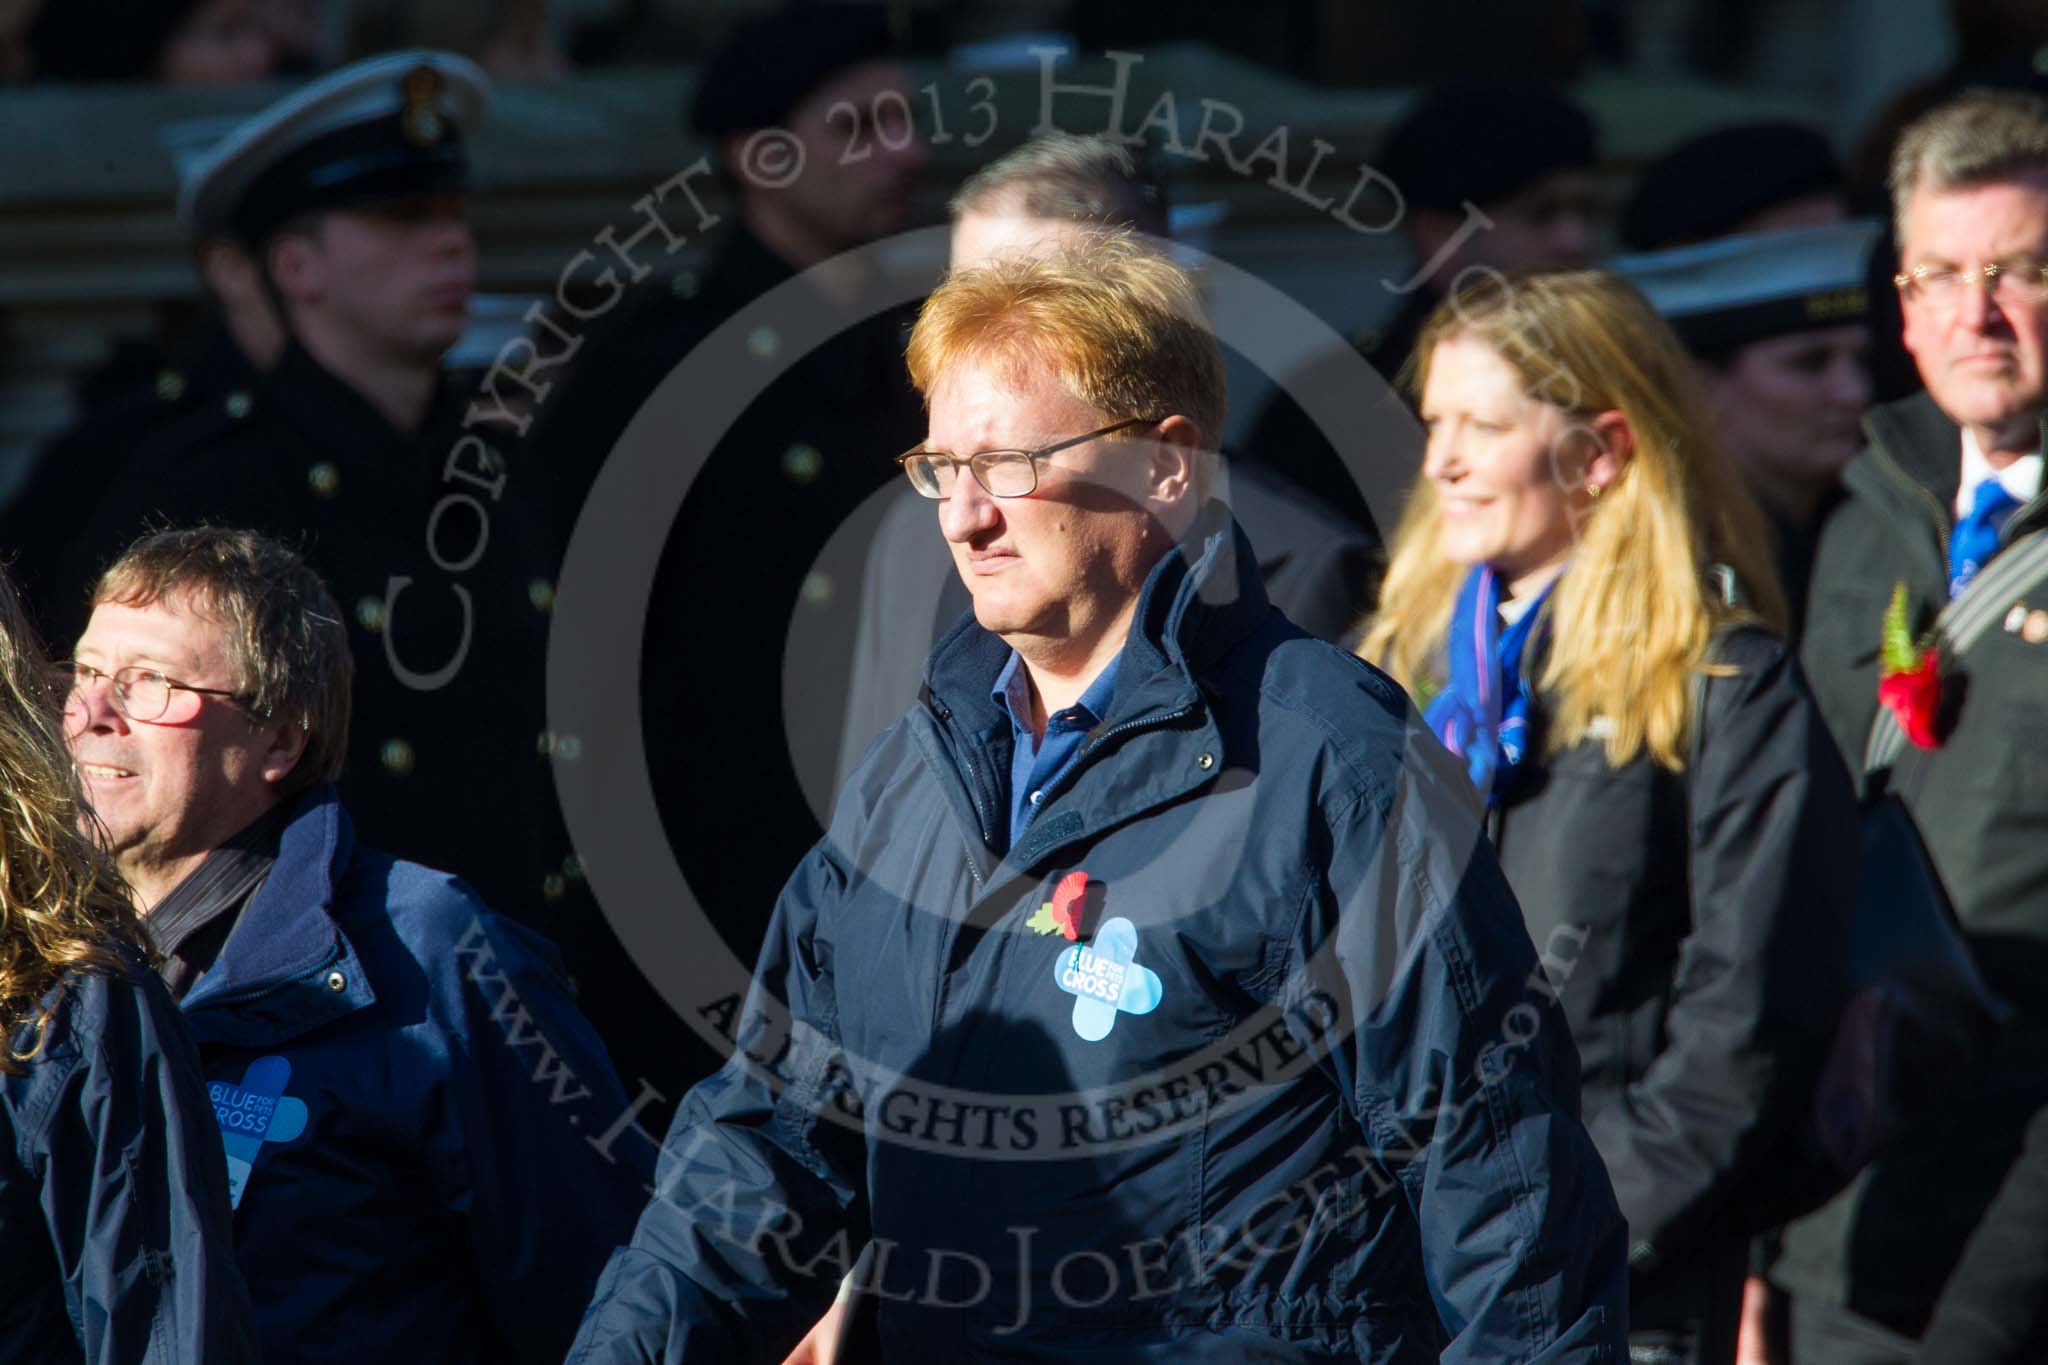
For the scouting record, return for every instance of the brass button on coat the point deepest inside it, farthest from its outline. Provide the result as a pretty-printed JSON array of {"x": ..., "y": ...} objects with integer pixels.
[{"x": 397, "y": 757}]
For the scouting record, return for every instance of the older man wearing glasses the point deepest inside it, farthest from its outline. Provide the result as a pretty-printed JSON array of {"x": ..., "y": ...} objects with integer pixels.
[
  {"x": 1153, "y": 994},
  {"x": 402, "y": 1082},
  {"x": 1943, "y": 513}
]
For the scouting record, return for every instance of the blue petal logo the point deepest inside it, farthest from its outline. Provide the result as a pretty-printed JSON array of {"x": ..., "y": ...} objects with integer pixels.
[
  {"x": 253, "y": 1113},
  {"x": 1104, "y": 977}
]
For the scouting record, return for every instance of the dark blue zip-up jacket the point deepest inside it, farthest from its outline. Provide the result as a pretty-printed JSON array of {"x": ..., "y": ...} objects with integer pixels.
[
  {"x": 114, "y": 1243},
  {"x": 1297, "y": 1091},
  {"x": 405, "y": 1088}
]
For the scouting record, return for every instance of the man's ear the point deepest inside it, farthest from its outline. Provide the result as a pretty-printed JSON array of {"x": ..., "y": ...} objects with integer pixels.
[
  {"x": 1176, "y": 453},
  {"x": 294, "y": 259},
  {"x": 287, "y": 746},
  {"x": 1614, "y": 445},
  {"x": 226, "y": 269}
]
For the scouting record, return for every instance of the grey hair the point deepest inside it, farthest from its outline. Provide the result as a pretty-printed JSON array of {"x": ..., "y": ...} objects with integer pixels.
[
  {"x": 1095, "y": 180},
  {"x": 1981, "y": 137}
]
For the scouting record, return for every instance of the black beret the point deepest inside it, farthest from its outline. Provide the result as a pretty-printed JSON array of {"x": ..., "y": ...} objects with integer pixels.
[
  {"x": 1711, "y": 185},
  {"x": 103, "y": 40},
  {"x": 769, "y": 64},
  {"x": 1483, "y": 140}
]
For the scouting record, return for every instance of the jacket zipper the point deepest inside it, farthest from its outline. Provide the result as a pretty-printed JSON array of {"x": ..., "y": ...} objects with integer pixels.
[
  {"x": 1072, "y": 772},
  {"x": 974, "y": 789},
  {"x": 1089, "y": 749},
  {"x": 1140, "y": 723}
]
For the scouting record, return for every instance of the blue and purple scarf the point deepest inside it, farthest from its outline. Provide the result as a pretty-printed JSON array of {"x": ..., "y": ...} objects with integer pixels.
[{"x": 1482, "y": 715}]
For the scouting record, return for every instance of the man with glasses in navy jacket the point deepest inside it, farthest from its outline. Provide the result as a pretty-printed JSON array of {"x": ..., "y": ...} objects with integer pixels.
[
  {"x": 401, "y": 1079},
  {"x": 1154, "y": 994}
]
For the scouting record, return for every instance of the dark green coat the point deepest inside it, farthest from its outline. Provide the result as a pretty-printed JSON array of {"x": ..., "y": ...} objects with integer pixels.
[{"x": 1980, "y": 799}]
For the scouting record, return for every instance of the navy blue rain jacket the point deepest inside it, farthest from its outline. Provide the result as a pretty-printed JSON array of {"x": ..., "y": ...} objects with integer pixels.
[
  {"x": 405, "y": 1089},
  {"x": 1297, "y": 1091},
  {"x": 114, "y": 1243}
]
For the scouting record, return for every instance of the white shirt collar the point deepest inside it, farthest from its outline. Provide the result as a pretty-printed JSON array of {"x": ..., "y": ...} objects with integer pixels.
[
  {"x": 2022, "y": 478},
  {"x": 1513, "y": 609}
]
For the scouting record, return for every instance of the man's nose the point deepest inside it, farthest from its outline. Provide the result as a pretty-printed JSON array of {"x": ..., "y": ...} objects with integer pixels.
[
  {"x": 91, "y": 708},
  {"x": 1572, "y": 239},
  {"x": 448, "y": 228},
  {"x": 1977, "y": 309},
  {"x": 899, "y": 141},
  {"x": 968, "y": 510},
  {"x": 910, "y": 156},
  {"x": 1848, "y": 380}
]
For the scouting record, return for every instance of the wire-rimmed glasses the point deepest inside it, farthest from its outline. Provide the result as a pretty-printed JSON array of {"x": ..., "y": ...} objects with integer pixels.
[{"x": 1001, "y": 473}]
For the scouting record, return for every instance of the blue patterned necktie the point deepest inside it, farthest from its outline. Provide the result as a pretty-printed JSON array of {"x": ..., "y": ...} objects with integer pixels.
[{"x": 1976, "y": 535}]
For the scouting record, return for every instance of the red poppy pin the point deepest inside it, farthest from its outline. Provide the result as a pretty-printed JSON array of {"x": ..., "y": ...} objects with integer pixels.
[
  {"x": 1909, "y": 675},
  {"x": 1062, "y": 914}
]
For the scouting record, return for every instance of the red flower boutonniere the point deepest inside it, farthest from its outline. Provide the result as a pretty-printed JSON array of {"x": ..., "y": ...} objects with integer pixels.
[
  {"x": 1909, "y": 675},
  {"x": 1062, "y": 914}
]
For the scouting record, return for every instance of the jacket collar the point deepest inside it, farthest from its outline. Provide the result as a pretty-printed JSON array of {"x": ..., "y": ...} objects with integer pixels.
[
  {"x": 1198, "y": 603},
  {"x": 1916, "y": 461},
  {"x": 1925, "y": 442},
  {"x": 1202, "y": 597},
  {"x": 348, "y": 430},
  {"x": 1922, "y": 441},
  {"x": 288, "y": 967},
  {"x": 214, "y": 353}
]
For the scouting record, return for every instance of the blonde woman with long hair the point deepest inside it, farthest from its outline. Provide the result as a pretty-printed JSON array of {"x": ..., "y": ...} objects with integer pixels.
[
  {"x": 114, "y": 1231},
  {"x": 1580, "y": 597}
]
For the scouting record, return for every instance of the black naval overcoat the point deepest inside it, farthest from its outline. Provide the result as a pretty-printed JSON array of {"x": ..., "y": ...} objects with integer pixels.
[{"x": 738, "y": 575}]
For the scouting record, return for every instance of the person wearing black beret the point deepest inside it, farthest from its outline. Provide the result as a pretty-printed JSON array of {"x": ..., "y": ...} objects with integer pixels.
[
  {"x": 806, "y": 188},
  {"x": 1517, "y": 151},
  {"x": 1492, "y": 172},
  {"x": 785, "y": 71}
]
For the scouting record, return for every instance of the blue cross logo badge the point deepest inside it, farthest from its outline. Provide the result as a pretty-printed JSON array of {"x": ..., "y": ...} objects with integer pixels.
[
  {"x": 253, "y": 1113},
  {"x": 1105, "y": 978}
]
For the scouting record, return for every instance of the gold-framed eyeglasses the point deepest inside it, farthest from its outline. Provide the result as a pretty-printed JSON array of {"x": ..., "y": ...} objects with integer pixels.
[
  {"x": 140, "y": 693},
  {"x": 2012, "y": 284},
  {"x": 1001, "y": 473}
]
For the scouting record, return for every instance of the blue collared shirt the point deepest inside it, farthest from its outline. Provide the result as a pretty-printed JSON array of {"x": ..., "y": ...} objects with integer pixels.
[{"x": 1034, "y": 765}]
